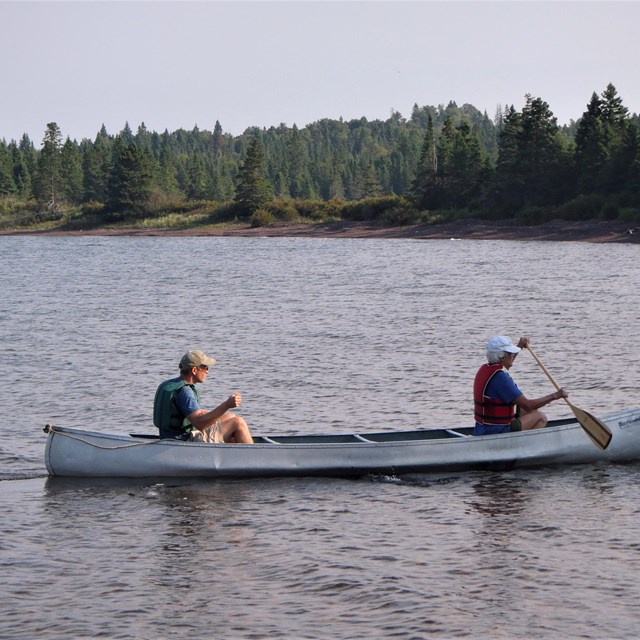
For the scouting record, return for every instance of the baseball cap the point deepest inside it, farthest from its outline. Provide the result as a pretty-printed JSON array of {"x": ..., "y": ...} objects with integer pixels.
[
  {"x": 195, "y": 359},
  {"x": 502, "y": 343}
]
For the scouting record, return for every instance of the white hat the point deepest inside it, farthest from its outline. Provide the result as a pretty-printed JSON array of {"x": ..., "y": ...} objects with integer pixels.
[{"x": 501, "y": 343}]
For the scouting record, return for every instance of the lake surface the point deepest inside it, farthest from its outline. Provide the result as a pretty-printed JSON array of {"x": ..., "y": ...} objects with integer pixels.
[{"x": 319, "y": 336}]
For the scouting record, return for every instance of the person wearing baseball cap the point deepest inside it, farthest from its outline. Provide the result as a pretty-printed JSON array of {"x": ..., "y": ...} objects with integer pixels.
[
  {"x": 500, "y": 406},
  {"x": 177, "y": 412}
]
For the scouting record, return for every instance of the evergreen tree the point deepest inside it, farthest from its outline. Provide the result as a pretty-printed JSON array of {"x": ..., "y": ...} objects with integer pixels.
[
  {"x": 49, "y": 187},
  {"x": 167, "y": 172},
  {"x": 532, "y": 163},
  {"x": 631, "y": 193},
  {"x": 71, "y": 171},
  {"x": 424, "y": 184},
  {"x": 130, "y": 180},
  {"x": 96, "y": 166},
  {"x": 30, "y": 155},
  {"x": 619, "y": 171},
  {"x": 253, "y": 190},
  {"x": 197, "y": 179},
  {"x": 143, "y": 139},
  {"x": 506, "y": 185},
  {"x": 591, "y": 148},
  {"x": 614, "y": 113},
  {"x": 298, "y": 166},
  {"x": 539, "y": 153},
  {"x": 371, "y": 183},
  {"x": 218, "y": 140},
  {"x": 619, "y": 144},
  {"x": 126, "y": 134},
  {"x": 464, "y": 168},
  {"x": 21, "y": 174},
  {"x": 7, "y": 184}
]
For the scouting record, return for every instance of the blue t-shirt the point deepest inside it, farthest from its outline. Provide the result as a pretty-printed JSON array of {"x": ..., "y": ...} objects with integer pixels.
[
  {"x": 503, "y": 387},
  {"x": 186, "y": 401}
]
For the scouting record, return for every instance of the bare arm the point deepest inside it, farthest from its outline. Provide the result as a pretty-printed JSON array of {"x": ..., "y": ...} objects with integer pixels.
[
  {"x": 536, "y": 403},
  {"x": 201, "y": 419}
]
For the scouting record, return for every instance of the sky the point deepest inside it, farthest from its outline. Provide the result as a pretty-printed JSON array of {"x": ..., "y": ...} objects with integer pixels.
[{"x": 180, "y": 64}]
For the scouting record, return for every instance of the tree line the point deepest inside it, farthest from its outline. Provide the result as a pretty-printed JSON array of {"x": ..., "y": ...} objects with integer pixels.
[{"x": 452, "y": 161}]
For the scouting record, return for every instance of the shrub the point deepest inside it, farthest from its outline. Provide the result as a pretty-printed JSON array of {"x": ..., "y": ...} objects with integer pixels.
[
  {"x": 584, "y": 207},
  {"x": 314, "y": 209},
  {"x": 534, "y": 215},
  {"x": 224, "y": 212},
  {"x": 262, "y": 218},
  {"x": 400, "y": 216},
  {"x": 629, "y": 214},
  {"x": 284, "y": 211},
  {"x": 160, "y": 201},
  {"x": 610, "y": 211},
  {"x": 370, "y": 208}
]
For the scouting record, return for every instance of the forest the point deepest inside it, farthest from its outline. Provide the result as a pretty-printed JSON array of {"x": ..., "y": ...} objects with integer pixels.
[{"x": 443, "y": 163}]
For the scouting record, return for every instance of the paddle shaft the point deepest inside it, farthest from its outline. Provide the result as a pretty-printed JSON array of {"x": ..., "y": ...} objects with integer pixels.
[
  {"x": 553, "y": 382},
  {"x": 595, "y": 429}
]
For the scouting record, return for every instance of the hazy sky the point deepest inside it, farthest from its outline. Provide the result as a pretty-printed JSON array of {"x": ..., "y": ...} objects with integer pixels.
[{"x": 177, "y": 64}]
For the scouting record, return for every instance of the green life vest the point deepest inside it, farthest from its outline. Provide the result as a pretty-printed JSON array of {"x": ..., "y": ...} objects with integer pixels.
[{"x": 166, "y": 415}]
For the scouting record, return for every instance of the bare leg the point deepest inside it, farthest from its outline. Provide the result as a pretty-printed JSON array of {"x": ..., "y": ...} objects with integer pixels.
[
  {"x": 533, "y": 420},
  {"x": 235, "y": 429}
]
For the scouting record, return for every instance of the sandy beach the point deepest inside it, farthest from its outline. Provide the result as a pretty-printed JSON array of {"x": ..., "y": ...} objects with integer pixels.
[{"x": 559, "y": 230}]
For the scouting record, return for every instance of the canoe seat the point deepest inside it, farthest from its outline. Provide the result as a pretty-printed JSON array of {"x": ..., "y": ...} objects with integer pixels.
[
  {"x": 360, "y": 438},
  {"x": 456, "y": 433}
]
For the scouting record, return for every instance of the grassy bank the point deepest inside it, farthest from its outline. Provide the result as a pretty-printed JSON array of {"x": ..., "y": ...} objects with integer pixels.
[{"x": 391, "y": 215}]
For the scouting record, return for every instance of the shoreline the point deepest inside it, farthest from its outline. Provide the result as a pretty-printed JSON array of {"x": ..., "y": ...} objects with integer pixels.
[{"x": 558, "y": 231}]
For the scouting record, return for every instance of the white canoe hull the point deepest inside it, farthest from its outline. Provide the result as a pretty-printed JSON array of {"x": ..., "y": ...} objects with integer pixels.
[{"x": 80, "y": 453}]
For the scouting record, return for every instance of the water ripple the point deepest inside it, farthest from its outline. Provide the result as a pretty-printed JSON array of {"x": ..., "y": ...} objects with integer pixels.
[{"x": 319, "y": 335}]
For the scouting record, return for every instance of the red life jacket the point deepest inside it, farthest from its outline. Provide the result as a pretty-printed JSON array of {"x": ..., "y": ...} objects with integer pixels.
[{"x": 490, "y": 410}]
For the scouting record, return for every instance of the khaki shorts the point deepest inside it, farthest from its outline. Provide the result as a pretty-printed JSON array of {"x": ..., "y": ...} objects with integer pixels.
[{"x": 212, "y": 434}]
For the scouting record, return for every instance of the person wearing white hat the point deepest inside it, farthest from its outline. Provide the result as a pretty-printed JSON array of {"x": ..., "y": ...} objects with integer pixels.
[
  {"x": 177, "y": 412},
  {"x": 497, "y": 398}
]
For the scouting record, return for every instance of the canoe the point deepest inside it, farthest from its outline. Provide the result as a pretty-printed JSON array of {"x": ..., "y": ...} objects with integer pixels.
[{"x": 83, "y": 453}]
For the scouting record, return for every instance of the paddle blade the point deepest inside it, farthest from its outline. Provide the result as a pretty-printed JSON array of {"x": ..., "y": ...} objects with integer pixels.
[{"x": 596, "y": 429}]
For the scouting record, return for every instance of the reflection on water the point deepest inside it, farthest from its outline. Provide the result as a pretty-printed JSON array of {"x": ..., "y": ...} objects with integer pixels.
[
  {"x": 324, "y": 336},
  {"x": 500, "y": 496}
]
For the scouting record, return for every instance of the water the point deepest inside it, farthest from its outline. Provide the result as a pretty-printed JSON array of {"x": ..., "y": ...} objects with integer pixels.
[{"x": 319, "y": 336}]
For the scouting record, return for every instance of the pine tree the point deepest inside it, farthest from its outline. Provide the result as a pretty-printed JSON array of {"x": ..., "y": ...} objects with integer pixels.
[
  {"x": 49, "y": 188},
  {"x": 143, "y": 138},
  {"x": 298, "y": 166},
  {"x": 253, "y": 189},
  {"x": 218, "y": 139},
  {"x": 619, "y": 144},
  {"x": 130, "y": 180},
  {"x": 591, "y": 153},
  {"x": 371, "y": 183},
  {"x": 198, "y": 183},
  {"x": 614, "y": 113},
  {"x": 71, "y": 171},
  {"x": 21, "y": 175},
  {"x": 464, "y": 168},
  {"x": 531, "y": 161},
  {"x": 96, "y": 165},
  {"x": 424, "y": 184},
  {"x": 29, "y": 155},
  {"x": 167, "y": 172},
  {"x": 7, "y": 183}
]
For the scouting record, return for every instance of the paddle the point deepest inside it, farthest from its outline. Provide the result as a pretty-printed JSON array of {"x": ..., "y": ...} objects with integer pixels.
[{"x": 596, "y": 429}]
